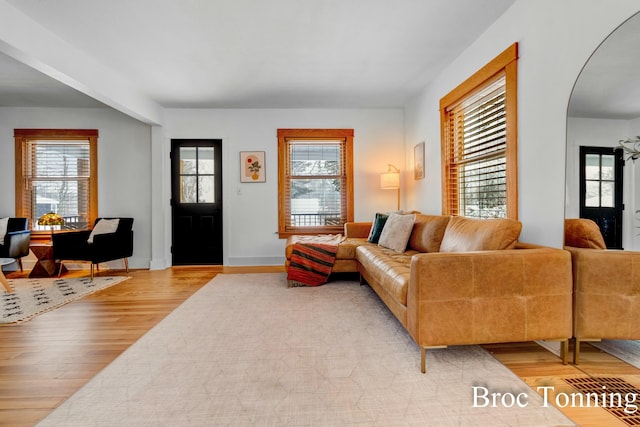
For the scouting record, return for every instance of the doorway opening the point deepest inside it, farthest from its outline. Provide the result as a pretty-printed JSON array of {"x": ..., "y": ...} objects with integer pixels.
[{"x": 601, "y": 191}]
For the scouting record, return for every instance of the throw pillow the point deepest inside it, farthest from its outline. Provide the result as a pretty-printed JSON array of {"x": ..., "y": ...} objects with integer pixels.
[
  {"x": 376, "y": 229},
  {"x": 583, "y": 233},
  {"x": 468, "y": 234},
  {"x": 3, "y": 229},
  {"x": 104, "y": 226},
  {"x": 428, "y": 231},
  {"x": 396, "y": 232}
]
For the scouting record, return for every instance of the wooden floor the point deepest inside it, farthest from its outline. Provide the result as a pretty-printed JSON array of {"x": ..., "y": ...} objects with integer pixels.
[{"x": 45, "y": 360}]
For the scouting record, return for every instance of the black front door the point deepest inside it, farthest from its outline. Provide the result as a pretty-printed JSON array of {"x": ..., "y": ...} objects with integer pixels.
[
  {"x": 196, "y": 201},
  {"x": 601, "y": 191}
]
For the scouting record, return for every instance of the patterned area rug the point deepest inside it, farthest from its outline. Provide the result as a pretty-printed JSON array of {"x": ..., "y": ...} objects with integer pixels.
[
  {"x": 31, "y": 297},
  {"x": 246, "y": 350}
]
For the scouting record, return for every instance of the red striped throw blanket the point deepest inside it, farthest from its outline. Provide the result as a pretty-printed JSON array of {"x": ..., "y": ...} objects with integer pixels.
[{"x": 312, "y": 260}]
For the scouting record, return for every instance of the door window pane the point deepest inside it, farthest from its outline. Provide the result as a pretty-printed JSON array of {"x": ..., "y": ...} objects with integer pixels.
[
  {"x": 607, "y": 193},
  {"x": 592, "y": 196},
  {"x": 197, "y": 177},
  {"x": 206, "y": 189},
  {"x": 607, "y": 172},
  {"x": 205, "y": 160},
  {"x": 188, "y": 189},
  {"x": 188, "y": 160},
  {"x": 592, "y": 166}
]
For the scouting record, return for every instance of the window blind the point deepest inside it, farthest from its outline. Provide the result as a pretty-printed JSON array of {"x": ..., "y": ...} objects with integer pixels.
[
  {"x": 315, "y": 183},
  {"x": 315, "y": 180},
  {"x": 476, "y": 150},
  {"x": 56, "y": 170},
  {"x": 57, "y": 175}
]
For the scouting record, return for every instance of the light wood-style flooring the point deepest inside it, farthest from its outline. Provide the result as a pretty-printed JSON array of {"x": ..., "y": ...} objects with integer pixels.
[{"x": 46, "y": 360}]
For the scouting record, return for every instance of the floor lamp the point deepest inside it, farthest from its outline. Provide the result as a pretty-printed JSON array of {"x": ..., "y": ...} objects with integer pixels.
[{"x": 390, "y": 180}]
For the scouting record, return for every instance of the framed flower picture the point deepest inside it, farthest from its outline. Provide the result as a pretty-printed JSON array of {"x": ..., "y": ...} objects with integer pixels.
[
  {"x": 418, "y": 161},
  {"x": 252, "y": 167}
]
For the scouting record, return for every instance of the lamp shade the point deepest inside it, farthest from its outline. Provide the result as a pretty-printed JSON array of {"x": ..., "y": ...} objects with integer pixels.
[
  {"x": 389, "y": 180},
  {"x": 51, "y": 219}
]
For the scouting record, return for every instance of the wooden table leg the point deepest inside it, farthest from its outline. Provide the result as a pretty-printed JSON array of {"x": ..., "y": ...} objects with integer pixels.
[
  {"x": 45, "y": 266},
  {"x": 4, "y": 281}
]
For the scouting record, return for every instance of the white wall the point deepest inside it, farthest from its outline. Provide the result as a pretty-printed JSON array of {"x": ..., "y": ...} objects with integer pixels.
[
  {"x": 124, "y": 156},
  {"x": 134, "y": 175},
  {"x": 251, "y": 209},
  {"x": 555, "y": 41}
]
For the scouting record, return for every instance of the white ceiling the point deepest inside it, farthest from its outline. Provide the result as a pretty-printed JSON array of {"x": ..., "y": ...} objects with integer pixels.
[
  {"x": 254, "y": 53},
  {"x": 289, "y": 53}
]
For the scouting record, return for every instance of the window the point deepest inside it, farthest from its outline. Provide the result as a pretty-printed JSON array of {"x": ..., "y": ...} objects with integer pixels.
[
  {"x": 196, "y": 174},
  {"x": 315, "y": 180},
  {"x": 479, "y": 142},
  {"x": 56, "y": 171},
  {"x": 599, "y": 180}
]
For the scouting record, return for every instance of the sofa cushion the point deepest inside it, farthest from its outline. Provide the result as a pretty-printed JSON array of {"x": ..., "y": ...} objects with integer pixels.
[
  {"x": 376, "y": 228},
  {"x": 396, "y": 232},
  {"x": 3, "y": 229},
  {"x": 389, "y": 269},
  {"x": 428, "y": 231},
  {"x": 346, "y": 248},
  {"x": 583, "y": 233},
  {"x": 468, "y": 234}
]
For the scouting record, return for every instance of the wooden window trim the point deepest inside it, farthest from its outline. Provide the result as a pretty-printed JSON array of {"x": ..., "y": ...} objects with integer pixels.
[
  {"x": 310, "y": 134},
  {"x": 21, "y": 136},
  {"x": 506, "y": 62}
]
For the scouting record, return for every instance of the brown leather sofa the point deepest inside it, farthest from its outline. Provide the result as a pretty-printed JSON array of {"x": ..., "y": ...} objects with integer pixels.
[
  {"x": 606, "y": 286},
  {"x": 463, "y": 281}
]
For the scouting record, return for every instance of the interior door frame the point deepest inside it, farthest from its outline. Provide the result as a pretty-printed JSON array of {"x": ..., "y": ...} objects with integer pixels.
[
  {"x": 611, "y": 228},
  {"x": 216, "y": 207}
]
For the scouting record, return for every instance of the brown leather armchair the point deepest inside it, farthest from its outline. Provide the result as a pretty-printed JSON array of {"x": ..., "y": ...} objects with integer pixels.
[
  {"x": 606, "y": 286},
  {"x": 75, "y": 245},
  {"x": 16, "y": 241}
]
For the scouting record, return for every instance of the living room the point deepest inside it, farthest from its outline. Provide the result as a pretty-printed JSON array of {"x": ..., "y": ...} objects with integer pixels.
[
  {"x": 555, "y": 41},
  {"x": 567, "y": 35}
]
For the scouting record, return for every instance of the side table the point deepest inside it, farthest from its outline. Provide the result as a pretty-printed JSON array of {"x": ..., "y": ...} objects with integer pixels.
[
  {"x": 3, "y": 279},
  {"x": 46, "y": 265}
]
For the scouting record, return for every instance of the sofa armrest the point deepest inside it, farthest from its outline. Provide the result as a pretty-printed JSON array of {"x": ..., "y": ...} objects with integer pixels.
[
  {"x": 606, "y": 272},
  {"x": 357, "y": 229},
  {"x": 490, "y": 296}
]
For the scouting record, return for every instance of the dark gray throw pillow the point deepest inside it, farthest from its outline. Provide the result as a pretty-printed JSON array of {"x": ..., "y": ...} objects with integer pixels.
[{"x": 377, "y": 226}]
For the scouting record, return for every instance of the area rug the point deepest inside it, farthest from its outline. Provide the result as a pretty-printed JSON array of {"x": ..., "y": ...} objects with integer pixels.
[
  {"x": 31, "y": 297},
  {"x": 247, "y": 350}
]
